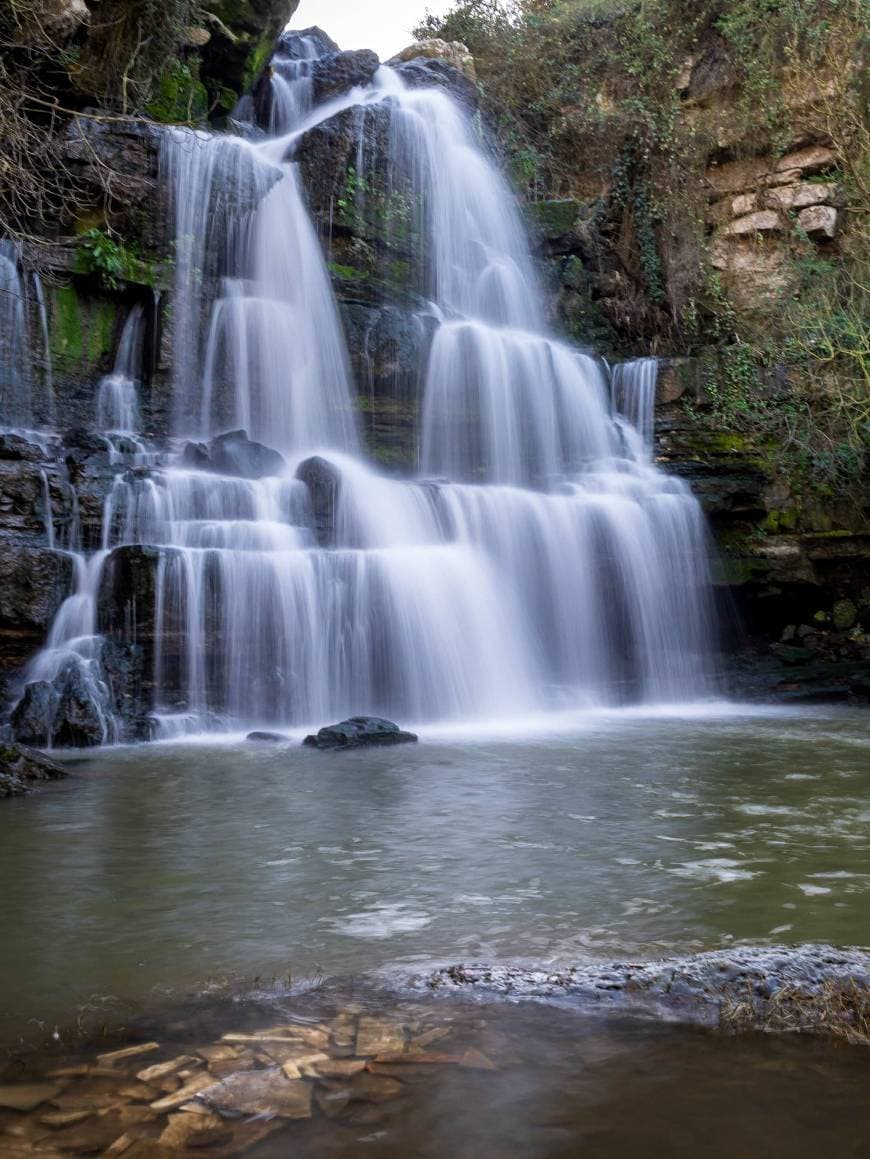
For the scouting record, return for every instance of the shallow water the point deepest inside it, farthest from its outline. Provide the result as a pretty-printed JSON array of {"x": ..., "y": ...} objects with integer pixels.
[{"x": 637, "y": 834}]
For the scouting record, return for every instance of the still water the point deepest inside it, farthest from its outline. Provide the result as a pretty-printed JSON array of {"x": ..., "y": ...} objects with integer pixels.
[{"x": 641, "y": 834}]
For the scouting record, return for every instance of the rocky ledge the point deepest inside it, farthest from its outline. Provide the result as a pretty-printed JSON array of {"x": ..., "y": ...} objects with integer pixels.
[
  {"x": 21, "y": 767},
  {"x": 815, "y": 988}
]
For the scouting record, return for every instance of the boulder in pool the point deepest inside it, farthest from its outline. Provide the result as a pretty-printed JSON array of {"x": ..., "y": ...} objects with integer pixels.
[
  {"x": 358, "y": 732},
  {"x": 20, "y": 766},
  {"x": 267, "y": 737}
]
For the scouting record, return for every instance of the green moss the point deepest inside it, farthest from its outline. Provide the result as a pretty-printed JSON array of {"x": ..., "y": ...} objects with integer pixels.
[
  {"x": 179, "y": 95},
  {"x": 81, "y": 330},
  {"x": 554, "y": 218},
  {"x": 257, "y": 60},
  {"x": 779, "y": 522}
]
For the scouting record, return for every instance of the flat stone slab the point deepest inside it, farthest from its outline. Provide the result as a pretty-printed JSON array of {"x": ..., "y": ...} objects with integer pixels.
[
  {"x": 359, "y": 731},
  {"x": 259, "y": 1092}
]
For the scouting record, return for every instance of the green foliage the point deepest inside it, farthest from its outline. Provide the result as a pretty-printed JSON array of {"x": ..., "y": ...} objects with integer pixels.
[{"x": 113, "y": 262}]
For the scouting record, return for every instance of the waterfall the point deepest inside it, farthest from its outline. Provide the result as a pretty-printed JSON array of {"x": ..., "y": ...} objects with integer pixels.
[
  {"x": 538, "y": 561},
  {"x": 633, "y": 392},
  {"x": 117, "y": 401},
  {"x": 15, "y": 367}
]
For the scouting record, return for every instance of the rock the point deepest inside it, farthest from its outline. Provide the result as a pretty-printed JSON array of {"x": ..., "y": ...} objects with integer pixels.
[
  {"x": 359, "y": 731},
  {"x": 323, "y": 481},
  {"x": 339, "y": 72},
  {"x": 260, "y": 1092},
  {"x": 34, "y": 582},
  {"x": 296, "y": 42},
  {"x": 113, "y": 1056},
  {"x": 33, "y": 716},
  {"x": 20, "y": 767},
  {"x": 763, "y": 221},
  {"x": 27, "y": 1096},
  {"x": 819, "y": 222},
  {"x": 79, "y": 719},
  {"x": 184, "y": 1094},
  {"x": 452, "y": 53},
  {"x": 801, "y": 195},
  {"x": 377, "y": 1036},
  {"x": 17, "y": 449},
  {"x": 195, "y": 1131},
  {"x": 421, "y": 73},
  {"x": 844, "y": 615},
  {"x": 266, "y": 737},
  {"x": 813, "y": 159},
  {"x": 234, "y": 454}
]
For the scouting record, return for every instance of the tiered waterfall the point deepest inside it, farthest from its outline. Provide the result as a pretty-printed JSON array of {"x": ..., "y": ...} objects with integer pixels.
[{"x": 539, "y": 560}]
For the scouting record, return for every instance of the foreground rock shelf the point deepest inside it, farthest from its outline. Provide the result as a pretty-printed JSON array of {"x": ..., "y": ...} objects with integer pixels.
[
  {"x": 303, "y": 1079},
  {"x": 226, "y": 1096}
]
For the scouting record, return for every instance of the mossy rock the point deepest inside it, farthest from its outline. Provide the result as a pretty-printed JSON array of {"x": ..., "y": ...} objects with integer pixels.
[
  {"x": 554, "y": 219},
  {"x": 180, "y": 95},
  {"x": 82, "y": 331}
]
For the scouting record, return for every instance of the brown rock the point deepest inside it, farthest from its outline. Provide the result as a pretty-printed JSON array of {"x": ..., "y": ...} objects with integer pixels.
[
  {"x": 338, "y": 1068},
  {"x": 813, "y": 159},
  {"x": 762, "y": 221},
  {"x": 163, "y": 1070},
  {"x": 114, "y": 1056},
  {"x": 27, "y": 1096},
  {"x": 260, "y": 1092},
  {"x": 206, "y": 1130},
  {"x": 734, "y": 176},
  {"x": 172, "y": 1101},
  {"x": 820, "y": 222},
  {"x": 379, "y": 1036},
  {"x": 217, "y": 1053},
  {"x": 64, "y": 1118}
]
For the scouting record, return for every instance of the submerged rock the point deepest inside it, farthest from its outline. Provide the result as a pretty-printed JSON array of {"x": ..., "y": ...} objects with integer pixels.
[
  {"x": 21, "y": 766},
  {"x": 234, "y": 454},
  {"x": 266, "y": 737},
  {"x": 360, "y": 731}
]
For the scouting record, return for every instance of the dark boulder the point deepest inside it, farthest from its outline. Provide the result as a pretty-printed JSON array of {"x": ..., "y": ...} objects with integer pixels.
[
  {"x": 80, "y": 720},
  {"x": 266, "y": 737},
  {"x": 234, "y": 454},
  {"x": 20, "y": 767},
  {"x": 339, "y": 72},
  {"x": 427, "y": 72},
  {"x": 358, "y": 732},
  {"x": 299, "y": 43},
  {"x": 324, "y": 483},
  {"x": 33, "y": 716},
  {"x": 16, "y": 449}
]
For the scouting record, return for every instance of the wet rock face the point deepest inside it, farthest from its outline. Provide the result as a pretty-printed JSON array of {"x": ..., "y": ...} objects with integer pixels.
[
  {"x": 295, "y": 42},
  {"x": 242, "y": 32},
  {"x": 33, "y": 584},
  {"x": 234, "y": 454},
  {"x": 423, "y": 72},
  {"x": 324, "y": 483},
  {"x": 21, "y": 768},
  {"x": 360, "y": 731},
  {"x": 339, "y": 72}
]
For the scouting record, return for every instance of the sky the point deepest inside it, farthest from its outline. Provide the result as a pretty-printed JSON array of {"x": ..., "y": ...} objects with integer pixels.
[{"x": 383, "y": 25}]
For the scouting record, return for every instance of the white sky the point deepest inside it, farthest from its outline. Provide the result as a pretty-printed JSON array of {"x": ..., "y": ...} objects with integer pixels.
[{"x": 383, "y": 25}]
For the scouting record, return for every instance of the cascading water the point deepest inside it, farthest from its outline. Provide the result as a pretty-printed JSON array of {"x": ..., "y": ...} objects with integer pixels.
[
  {"x": 117, "y": 399},
  {"x": 540, "y": 561},
  {"x": 633, "y": 391},
  {"x": 14, "y": 347}
]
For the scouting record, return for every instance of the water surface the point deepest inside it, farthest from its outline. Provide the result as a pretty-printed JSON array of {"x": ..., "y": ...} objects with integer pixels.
[{"x": 647, "y": 835}]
